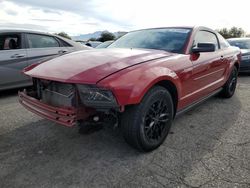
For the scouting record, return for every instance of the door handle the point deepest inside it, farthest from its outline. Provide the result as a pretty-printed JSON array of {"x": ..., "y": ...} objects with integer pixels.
[
  {"x": 17, "y": 56},
  {"x": 62, "y": 51}
]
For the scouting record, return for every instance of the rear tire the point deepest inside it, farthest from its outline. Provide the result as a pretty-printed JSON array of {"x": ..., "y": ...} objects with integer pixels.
[
  {"x": 146, "y": 125},
  {"x": 230, "y": 86}
]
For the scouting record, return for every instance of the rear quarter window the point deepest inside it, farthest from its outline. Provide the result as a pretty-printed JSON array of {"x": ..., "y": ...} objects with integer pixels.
[{"x": 63, "y": 43}]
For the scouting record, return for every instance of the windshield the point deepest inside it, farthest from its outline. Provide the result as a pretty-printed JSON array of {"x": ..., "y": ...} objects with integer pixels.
[
  {"x": 169, "y": 39},
  {"x": 242, "y": 44}
]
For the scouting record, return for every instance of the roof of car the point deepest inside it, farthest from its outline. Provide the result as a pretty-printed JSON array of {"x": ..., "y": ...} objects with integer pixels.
[
  {"x": 23, "y": 31},
  {"x": 234, "y": 39},
  {"x": 181, "y": 27}
]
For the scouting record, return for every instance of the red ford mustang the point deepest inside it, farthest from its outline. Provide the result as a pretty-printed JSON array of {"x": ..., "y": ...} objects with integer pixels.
[{"x": 142, "y": 80}]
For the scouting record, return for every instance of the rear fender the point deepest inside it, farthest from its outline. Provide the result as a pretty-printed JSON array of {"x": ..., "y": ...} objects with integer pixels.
[{"x": 234, "y": 61}]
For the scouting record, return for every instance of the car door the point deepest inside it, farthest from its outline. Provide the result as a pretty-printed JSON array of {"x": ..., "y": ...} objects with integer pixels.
[
  {"x": 42, "y": 47},
  {"x": 208, "y": 67},
  {"x": 13, "y": 58}
]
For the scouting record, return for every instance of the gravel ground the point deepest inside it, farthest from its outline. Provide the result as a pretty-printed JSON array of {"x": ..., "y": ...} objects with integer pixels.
[{"x": 208, "y": 147}]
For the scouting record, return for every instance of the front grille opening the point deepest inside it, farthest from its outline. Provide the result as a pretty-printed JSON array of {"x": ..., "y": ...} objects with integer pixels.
[{"x": 55, "y": 93}]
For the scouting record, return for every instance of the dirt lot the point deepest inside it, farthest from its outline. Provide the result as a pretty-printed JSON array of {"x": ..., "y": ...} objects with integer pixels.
[{"x": 208, "y": 147}]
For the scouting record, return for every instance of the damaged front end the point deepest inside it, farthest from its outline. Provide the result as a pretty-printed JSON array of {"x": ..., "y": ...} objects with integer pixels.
[{"x": 66, "y": 103}]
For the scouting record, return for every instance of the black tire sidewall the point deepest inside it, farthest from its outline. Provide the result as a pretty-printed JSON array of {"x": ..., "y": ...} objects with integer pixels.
[
  {"x": 148, "y": 100},
  {"x": 227, "y": 92}
]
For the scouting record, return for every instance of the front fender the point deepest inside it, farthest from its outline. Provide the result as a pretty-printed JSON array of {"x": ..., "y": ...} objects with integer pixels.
[{"x": 130, "y": 85}]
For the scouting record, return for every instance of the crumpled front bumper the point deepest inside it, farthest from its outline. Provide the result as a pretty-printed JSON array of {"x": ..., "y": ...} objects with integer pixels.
[{"x": 66, "y": 116}]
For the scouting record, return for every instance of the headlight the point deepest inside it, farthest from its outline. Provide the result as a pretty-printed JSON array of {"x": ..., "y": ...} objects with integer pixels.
[
  {"x": 245, "y": 57},
  {"x": 94, "y": 96}
]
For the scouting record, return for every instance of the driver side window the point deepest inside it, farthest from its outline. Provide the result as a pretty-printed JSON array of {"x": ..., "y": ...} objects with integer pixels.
[{"x": 205, "y": 37}]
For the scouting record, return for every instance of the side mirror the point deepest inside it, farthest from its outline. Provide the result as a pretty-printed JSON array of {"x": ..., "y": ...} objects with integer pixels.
[{"x": 204, "y": 47}]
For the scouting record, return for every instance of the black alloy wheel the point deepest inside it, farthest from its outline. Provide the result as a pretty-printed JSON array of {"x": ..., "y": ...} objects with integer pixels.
[
  {"x": 156, "y": 119},
  {"x": 230, "y": 86},
  {"x": 146, "y": 125}
]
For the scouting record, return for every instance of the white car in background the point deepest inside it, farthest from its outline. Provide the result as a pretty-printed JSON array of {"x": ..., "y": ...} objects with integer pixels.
[{"x": 21, "y": 48}]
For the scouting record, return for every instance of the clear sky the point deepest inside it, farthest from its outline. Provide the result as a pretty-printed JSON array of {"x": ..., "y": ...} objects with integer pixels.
[{"x": 86, "y": 16}]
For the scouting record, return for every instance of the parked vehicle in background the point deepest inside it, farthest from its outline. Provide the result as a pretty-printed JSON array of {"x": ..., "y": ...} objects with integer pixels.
[
  {"x": 142, "y": 80},
  {"x": 93, "y": 44},
  {"x": 83, "y": 43},
  {"x": 105, "y": 44},
  {"x": 244, "y": 45},
  {"x": 19, "y": 49}
]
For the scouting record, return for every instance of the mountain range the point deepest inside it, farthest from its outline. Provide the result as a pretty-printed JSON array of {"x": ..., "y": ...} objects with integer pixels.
[{"x": 96, "y": 34}]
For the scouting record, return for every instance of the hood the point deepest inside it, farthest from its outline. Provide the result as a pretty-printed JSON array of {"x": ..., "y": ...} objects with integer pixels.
[
  {"x": 245, "y": 51},
  {"x": 92, "y": 65}
]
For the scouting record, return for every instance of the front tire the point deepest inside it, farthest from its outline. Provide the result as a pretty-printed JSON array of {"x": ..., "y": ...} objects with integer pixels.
[
  {"x": 146, "y": 125},
  {"x": 230, "y": 86}
]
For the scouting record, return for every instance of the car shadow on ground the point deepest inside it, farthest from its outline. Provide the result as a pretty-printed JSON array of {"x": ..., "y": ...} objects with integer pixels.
[
  {"x": 8, "y": 93},
  {"x": 11, "y": 92},
  {"x": 244, "y": 74},
  {"x": 43, "y": 154}
]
